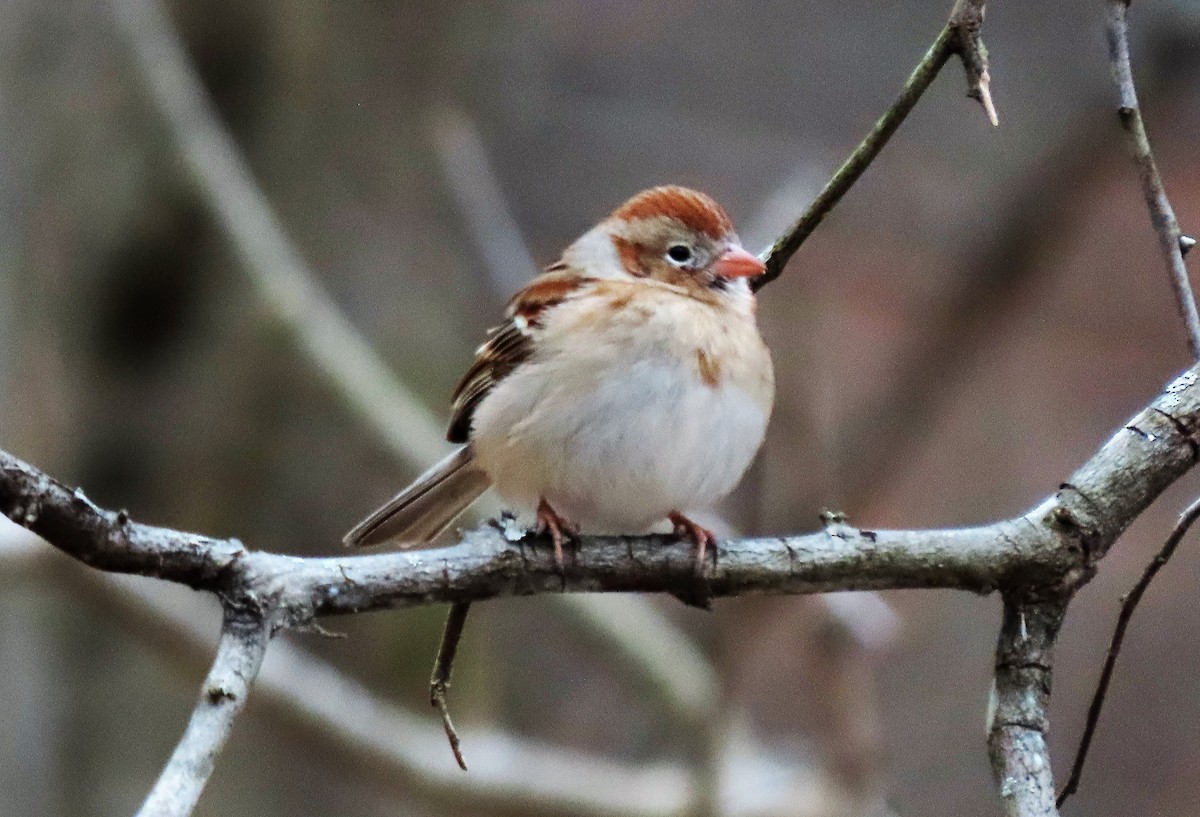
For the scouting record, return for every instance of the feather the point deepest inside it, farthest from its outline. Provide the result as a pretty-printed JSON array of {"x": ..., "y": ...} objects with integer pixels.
[
  {"x": 509, "y": 344},
  {"x": 425, "y": 508}
]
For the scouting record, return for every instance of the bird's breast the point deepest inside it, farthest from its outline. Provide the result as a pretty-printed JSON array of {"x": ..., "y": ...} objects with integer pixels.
[{"x": 628, "y": 411}]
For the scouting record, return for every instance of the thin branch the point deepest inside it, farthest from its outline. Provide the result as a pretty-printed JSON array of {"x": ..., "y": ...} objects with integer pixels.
[
  {"x": 1162, "y": 215},
  {"x": 239, "y": 655},
  {"x": 961, "y": 36},
  {"x": 1020, "y": 702},
  {"x": 1129, "y": 604},
  {"x": 443, "y": 667}
]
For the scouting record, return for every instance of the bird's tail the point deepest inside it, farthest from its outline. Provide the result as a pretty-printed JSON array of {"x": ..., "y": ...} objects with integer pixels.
[{"x": 426, "y": 507}]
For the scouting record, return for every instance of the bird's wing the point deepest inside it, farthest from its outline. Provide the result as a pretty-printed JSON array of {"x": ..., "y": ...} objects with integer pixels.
[{"x": 511, "y": 343}]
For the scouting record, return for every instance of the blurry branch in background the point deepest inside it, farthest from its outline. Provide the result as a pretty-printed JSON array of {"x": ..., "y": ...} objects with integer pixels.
[
  {"x": 274, "y": 266},
  {"x": 1128, "y": 605},
  {"x": 859, "y": 627},
  {"x": 1037, "y": 561},
  {"x": 1172, "y": 241},
  {"x": 472, "y": 180},
  {"x": 961, "y": 36}
]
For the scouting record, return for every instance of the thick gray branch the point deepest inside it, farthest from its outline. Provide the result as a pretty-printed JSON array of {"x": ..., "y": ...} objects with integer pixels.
[
  {"x": 1055, "y": 545},
  {"x": 239, "y": 655},
  {"x": 1021, "y": 700}
]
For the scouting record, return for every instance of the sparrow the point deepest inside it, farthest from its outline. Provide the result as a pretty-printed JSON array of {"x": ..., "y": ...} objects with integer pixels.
[{"x": 627, "y": 385}]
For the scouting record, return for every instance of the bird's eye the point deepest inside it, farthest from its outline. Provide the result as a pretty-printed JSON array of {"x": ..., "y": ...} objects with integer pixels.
[{"x": 679, "y": 253}]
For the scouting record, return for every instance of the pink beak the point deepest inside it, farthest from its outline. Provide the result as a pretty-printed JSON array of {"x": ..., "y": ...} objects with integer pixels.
[{"x": 737, "y": 263}]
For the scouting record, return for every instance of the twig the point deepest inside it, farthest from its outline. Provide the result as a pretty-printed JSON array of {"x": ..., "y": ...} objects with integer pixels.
[
  {"x": 1129, "y": 604},
  {"x": 1162, "y": 215},
  {"x": 442, "y": 670},
  {"x": 966, "y": 20},
  {"x": 239, "y": 655},
  {"x": 961, "y": 36},
  {"x": 1019, "y": 708}
]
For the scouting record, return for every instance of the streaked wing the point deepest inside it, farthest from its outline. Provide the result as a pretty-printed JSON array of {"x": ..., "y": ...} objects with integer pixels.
[{"x": 509, "y": 344}]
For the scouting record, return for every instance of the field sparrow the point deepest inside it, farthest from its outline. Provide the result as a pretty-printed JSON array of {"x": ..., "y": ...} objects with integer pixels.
[{"x": 628, "y": 385}]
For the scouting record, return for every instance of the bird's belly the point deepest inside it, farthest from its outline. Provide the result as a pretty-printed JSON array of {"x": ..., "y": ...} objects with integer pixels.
[{"x": 615, "y": 451}]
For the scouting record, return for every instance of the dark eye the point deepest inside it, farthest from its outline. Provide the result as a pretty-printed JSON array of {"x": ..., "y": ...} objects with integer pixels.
[{"x": 680, "y": 253}]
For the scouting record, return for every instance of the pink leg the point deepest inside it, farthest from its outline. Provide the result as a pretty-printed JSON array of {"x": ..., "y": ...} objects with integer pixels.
[
  {"x": 549, "y": 521},
  {"x": 700, "y": 536}
]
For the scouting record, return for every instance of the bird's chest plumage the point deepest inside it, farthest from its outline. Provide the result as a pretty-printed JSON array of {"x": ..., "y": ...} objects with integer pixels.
[{"x": 630, "y": 408}]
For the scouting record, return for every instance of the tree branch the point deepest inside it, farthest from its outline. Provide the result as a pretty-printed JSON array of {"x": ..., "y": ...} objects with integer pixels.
[
  {"x": 960, "y": 36},
  {"x": 1056, "y": 544},
  {"x": 1019, "y": 714},
  {"x": 240, "y": 653},
  {"x": 1052, "y": 549},
  {"x": 1170, "y": 239}
]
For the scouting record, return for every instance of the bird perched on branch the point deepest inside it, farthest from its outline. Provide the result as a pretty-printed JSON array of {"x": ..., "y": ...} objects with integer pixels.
[{"x": 627, "y": 385}]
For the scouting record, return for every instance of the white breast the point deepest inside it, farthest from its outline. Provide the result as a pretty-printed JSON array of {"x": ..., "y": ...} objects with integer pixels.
[{"x": 614, "y": 422}]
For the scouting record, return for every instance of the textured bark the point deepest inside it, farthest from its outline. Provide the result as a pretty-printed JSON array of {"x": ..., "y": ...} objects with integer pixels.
[{"x": 1049, "y": 550}]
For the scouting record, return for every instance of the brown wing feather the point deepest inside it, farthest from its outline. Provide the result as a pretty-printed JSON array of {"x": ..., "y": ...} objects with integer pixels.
[{"x": 509, "y": 344}]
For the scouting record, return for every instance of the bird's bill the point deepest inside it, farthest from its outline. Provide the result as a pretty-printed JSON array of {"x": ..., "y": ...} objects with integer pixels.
[{"x": 737, "y": 263}]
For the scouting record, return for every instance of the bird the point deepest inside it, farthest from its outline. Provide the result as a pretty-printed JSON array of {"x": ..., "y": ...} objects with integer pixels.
[{"x": 627, "y": 386}]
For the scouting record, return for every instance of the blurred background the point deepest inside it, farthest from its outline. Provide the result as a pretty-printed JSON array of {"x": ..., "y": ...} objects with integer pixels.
[{"x": 979, "y": 314}]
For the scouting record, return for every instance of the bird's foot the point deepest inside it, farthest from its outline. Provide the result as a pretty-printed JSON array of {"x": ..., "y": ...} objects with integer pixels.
[
  {"x": 702, "y": 539},
  {"x": 559, "y": 528},
  {"x": 703, "y": 542}
]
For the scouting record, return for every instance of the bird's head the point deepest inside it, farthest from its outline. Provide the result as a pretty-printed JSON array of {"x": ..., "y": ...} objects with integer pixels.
[{"x": 681, "y": 237}]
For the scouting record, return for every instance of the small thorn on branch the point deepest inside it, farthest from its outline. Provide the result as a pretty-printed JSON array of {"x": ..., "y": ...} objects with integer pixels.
[
  {"x": 966, "y": 21},
  {"x": 442, "y": 668},
  {"x": 1186, "y": 242}
]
